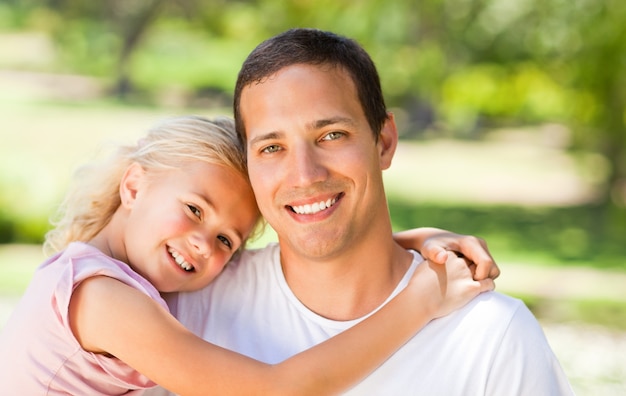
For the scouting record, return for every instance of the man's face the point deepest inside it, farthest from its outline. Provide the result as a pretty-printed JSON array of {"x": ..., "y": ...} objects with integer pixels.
[{"x": 314, "y": 164}]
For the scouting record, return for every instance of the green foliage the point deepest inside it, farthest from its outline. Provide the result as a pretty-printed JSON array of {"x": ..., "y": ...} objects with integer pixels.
[
  {"x": 583, "y": 235},
  {"x": 469, "y": 63},
  {"x": 610, "y": 314},
  {"x": 16, "y": 229},
  {"x": 87, "y": 48},
  {"x": 522, "y": 92},
  {"x": 17, "y": 226},
  {"x": 202, "y": 61}
]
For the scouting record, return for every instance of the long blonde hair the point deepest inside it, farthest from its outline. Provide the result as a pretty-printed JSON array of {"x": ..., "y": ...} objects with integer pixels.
[{"x": 94, "y": 195}]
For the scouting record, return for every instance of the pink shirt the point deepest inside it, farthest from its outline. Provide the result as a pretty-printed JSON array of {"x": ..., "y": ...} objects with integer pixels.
[{"x": 39, "y": 354}]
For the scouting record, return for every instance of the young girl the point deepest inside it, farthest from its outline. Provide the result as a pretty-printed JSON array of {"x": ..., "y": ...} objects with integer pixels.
[{"x": 163, "y": 216}]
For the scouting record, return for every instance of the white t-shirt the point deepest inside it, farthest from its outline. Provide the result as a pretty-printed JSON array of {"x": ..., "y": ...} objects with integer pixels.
[{"x": 492, "y": 346}]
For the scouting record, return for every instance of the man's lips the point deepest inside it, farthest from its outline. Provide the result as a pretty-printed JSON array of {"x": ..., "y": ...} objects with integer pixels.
[{"x": 316, "y": 207}]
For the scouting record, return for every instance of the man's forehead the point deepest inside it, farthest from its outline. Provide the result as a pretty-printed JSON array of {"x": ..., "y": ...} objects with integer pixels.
[
  {"x": 325, "y": 68},
  {"x": 322, "y": 94},
  {"x": 300, "y": 75}
]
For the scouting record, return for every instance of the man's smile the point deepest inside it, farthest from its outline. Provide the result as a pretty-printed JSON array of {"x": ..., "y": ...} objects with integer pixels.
[{"x": 315, "y": 207}]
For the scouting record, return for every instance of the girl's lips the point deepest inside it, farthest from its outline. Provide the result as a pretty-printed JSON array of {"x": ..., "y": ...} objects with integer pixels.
[{"x": 180, "y": 260}]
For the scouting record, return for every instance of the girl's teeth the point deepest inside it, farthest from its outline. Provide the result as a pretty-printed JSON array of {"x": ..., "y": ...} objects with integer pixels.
[
  {"x": 314, "y": 208},
  {"x": 180, "y": 260}
]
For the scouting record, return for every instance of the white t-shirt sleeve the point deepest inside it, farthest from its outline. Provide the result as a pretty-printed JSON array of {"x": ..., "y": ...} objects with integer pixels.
[{"x": 525, "y": 363}]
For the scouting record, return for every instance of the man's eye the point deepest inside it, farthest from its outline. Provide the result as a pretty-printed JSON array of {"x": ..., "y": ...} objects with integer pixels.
[
  {"x": 225, "y": 241},
  {"x": 196, "y": 212},
  {"x": 271, "y": 149},
  {"x": 333, "y": 135}
]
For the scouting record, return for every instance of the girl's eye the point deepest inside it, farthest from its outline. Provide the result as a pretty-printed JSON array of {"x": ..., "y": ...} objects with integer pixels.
[
  {"x": 333, "y": 135},
  {"x": 196, "y": 212},
  {"x": 225, "y": 241},
  {"x": 271, "y": 149}
]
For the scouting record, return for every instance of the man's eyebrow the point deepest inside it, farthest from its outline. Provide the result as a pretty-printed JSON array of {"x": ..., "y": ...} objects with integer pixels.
[
  {"x": 318, "y": 124},
  {"x": 266, "y": 136},
  {"x": 313, "y": 125}
]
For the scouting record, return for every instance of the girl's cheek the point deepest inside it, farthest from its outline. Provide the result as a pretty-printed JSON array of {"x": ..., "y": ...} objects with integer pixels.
[{"x": 176, "y": 224}]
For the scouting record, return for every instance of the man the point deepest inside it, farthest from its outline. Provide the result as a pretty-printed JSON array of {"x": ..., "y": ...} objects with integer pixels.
[{"x": 309, "y": 107}]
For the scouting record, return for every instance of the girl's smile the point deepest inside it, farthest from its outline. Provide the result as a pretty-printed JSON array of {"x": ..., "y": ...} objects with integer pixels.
[{"x": 179, "y": 227}]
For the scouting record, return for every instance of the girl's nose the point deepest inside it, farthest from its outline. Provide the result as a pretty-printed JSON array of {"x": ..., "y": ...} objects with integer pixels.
[{"x": 201, "y": 245}]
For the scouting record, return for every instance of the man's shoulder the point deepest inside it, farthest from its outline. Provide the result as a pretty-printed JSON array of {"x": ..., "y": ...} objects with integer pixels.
[
  {"x": 485, "y": 322},
  {"x": 493, "y": 303},
  {"x": 489, "y": 310},
  {"x": 498, "y": 300}
]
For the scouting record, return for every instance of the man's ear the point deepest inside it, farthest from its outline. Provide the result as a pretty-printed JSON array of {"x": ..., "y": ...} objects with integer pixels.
[
  {"x": 130, "y": 183},
  {"x": 387, "y": 141}
]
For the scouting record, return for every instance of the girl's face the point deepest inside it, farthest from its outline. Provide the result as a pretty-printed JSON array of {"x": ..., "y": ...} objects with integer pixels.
[{"x": 184, "y": 225}]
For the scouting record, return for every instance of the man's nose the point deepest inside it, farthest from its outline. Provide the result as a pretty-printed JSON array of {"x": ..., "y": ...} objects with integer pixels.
[{"x": 306, "y": 165}]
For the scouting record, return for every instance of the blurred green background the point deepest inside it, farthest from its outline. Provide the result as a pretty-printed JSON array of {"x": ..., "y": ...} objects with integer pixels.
[{"x": 512, "y": 116}]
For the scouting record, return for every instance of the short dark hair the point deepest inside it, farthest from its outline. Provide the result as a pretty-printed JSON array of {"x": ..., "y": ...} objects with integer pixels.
[{"x": 314, "y": 47}]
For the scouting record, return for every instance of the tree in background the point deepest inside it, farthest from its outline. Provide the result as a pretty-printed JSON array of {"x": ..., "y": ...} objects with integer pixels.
[{"x": 456, "y": 66}]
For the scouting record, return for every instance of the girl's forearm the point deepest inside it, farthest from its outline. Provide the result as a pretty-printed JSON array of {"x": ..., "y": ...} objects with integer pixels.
[{"x": 157, "y": 345}]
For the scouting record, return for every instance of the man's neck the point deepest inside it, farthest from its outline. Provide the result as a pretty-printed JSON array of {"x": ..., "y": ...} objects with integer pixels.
[{"x": 348, "y": 286}]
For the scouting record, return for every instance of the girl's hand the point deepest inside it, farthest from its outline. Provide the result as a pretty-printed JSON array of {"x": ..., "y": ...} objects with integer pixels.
[
  {"x": 434, "y": 243},
  {"x": 448, "y": 287}
]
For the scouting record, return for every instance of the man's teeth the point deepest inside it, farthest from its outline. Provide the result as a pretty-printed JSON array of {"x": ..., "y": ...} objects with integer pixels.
[
  {"x": 180, "y": 260},
  {"x": 314, "y": 208}
]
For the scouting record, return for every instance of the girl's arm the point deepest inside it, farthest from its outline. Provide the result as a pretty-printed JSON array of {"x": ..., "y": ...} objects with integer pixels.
[
  {"x": 432, "y": 243},
  {"x": 108, "y": 316}
]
